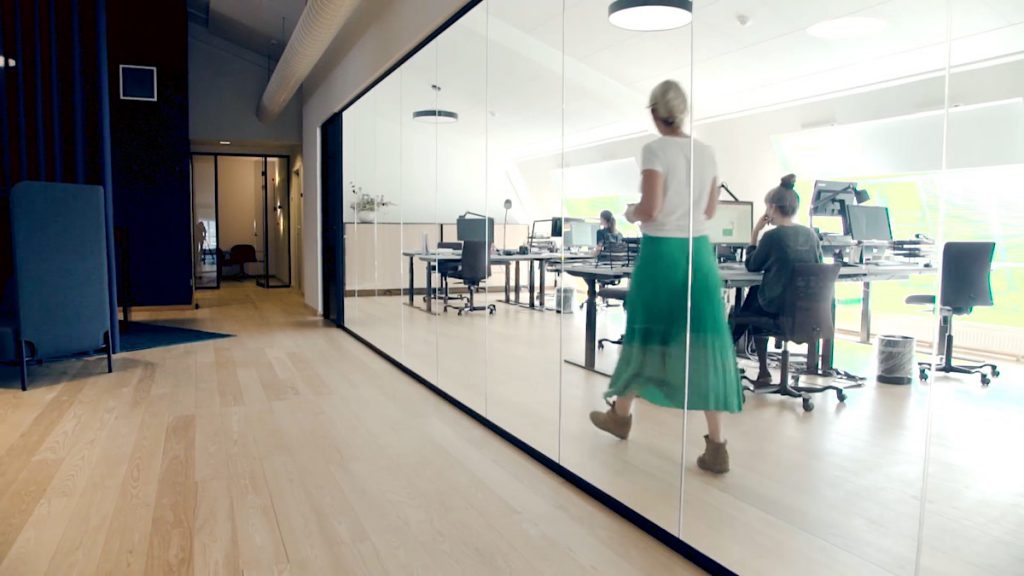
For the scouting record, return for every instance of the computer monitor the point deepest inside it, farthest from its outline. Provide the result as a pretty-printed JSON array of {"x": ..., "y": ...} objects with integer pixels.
[
  {"x": 733, "y": 224},
  {"x": 581, "y": 234},
  {"x": 556, "y": 227},
  {"x": 830, "y": 197},
  {"x": 868, "y": 223},
  {"x": 479, "y": 229}
]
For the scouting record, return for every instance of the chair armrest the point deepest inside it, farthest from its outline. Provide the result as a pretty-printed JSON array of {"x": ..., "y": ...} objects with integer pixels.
[{"x": 921, "y": 299}]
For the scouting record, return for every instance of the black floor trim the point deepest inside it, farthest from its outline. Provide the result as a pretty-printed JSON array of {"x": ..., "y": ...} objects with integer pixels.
[{"x": 695, "y": 556}]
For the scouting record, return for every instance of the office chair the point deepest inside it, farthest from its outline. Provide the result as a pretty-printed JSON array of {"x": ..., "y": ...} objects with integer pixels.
[
  {"x": 612, "y": 254},
  {"x": 616, "y": 293},
  {"x": 475, "y": 267},
  {"x": 240, "y": 255},
  {"x": 966, "y": 271},
  {"x": 806, "y": 319},
  {"x": 445, "y": 268}
]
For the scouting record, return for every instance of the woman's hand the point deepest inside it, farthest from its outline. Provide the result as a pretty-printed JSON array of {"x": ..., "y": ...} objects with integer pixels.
[{"x": 763, "y": 221}]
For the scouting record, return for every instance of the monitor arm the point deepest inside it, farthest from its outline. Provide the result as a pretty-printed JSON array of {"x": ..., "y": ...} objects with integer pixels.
[{"x": 724, "y": 186}]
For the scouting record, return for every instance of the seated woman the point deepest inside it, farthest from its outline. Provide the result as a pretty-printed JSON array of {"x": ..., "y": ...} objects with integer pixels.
[
  {"x": 608, "y": 234},
  {"x": 775, "y": 254}
]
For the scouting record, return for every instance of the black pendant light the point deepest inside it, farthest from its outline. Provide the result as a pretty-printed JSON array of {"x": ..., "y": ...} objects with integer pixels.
[
  {"x": 650, "y": 15},
  {"x": 433, "y": 115}
]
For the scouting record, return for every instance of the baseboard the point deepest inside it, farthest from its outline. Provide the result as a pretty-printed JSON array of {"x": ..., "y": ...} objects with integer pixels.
[{"x": 668, "y": 539}]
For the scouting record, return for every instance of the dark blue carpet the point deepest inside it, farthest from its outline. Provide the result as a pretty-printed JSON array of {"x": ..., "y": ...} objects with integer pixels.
[{"x": 142, "y": 336}]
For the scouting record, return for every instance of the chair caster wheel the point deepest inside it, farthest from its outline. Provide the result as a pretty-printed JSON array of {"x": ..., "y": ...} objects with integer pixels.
[
  {"x": 808, "y": 405},
  {"x": 985, "y": 380},
  {"x": 460, "y": 312},
  {"x": 923, "y": 375},
  {"x": 491, "y": 310},
  {"x": 841, "y": 396},
  {"x": 995, "y": 373},
  {"x": 600, "y": 345}
]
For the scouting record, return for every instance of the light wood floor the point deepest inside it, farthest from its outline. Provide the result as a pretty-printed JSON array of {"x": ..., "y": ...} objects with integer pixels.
[
  {"x": 835, "y": 491},
  {"x": 289, "y": 449}
]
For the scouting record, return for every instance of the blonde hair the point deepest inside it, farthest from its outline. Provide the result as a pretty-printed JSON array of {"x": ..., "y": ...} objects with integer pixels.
[
  {"x": 784, "y": 196},
  {"x": 669, "y": 103}
]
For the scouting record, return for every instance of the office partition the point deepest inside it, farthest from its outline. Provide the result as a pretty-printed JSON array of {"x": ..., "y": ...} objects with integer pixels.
[{"x": 544, "y": 104}]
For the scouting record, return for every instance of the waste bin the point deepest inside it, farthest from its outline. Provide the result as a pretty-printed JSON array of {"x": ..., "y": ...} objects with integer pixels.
[
  {"x": 896, "y": 360},
  {"x": 563, "y": 300}
]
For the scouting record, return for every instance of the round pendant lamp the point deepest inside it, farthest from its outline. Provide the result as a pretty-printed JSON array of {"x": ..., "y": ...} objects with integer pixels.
[
  {"x": 650, "y": 15},
  {"x": 435, "y": 116}
]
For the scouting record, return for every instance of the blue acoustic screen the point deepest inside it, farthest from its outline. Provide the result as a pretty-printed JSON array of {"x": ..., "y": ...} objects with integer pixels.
[{"x": 138, "y": 83}]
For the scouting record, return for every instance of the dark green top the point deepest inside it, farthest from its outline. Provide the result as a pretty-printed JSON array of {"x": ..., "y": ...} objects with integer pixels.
[{"x": 775, "y": 255}]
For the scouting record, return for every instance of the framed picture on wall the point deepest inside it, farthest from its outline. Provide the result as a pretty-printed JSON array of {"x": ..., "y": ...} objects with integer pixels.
[{"x": 138, "y": 83}]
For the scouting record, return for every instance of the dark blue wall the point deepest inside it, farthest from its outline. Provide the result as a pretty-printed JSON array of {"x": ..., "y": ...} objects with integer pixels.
[
  {"x": 52, "y": 125},
  {"x": 150, "y": 151}
]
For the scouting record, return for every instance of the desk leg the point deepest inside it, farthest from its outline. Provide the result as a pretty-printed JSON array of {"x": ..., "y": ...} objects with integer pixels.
[
  {"x": 589, "y": 359},
  {"x": 412, "y": 283},
  {"x": 517, "y": 282},
  {"x": 508, "y": 282},
  {"x": 533, "y": 288},
  {"x": 430, "y": 289},
  {"x": 865, "y": 314},
  {"x": 543, "y": 269},
  {"x": 828, "y": 348}
]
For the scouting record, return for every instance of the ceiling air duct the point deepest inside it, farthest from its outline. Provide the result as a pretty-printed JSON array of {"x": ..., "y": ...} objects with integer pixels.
[{"x": 319, "y": 24}]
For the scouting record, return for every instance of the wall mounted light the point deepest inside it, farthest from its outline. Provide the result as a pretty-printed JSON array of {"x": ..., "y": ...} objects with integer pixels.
[
  {"x": 7, "y": 62},
  {"x": 650, "y": 15},
  {"x": 433, "y": 115},
  {"x": 225, "y": 142}
]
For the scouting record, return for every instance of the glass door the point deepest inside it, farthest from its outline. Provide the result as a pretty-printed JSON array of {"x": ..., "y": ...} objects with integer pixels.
[{"x": 204, "y": 222}]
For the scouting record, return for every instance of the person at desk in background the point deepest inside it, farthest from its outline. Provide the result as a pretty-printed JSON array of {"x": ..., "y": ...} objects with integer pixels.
[
  {"x": 608, "y": 233},
  {"x": 658, "y": 354},
  {"x": 775, "y": 254}
]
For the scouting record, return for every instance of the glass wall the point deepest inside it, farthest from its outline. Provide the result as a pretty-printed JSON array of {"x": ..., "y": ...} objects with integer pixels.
[{"x": 475, "y": 175}]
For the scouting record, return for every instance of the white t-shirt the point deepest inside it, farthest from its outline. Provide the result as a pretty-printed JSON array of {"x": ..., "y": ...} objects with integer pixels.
[{"x": 670, "y": 155}]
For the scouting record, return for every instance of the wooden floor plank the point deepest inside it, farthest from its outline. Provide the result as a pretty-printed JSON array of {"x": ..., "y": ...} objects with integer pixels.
[{"x": 171, "y": 536}]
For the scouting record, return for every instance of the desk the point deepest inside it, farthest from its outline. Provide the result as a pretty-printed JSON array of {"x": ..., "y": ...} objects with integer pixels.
[
  {"x": 733, "y": 276},
  {"x": 536, "y": 297}
]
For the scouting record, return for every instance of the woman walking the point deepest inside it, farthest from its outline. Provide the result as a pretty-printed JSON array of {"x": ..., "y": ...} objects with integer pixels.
[{"x": 678, "y": 350}]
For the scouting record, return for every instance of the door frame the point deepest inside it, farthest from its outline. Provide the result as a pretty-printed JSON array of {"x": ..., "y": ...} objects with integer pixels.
[{"x": 263, "y": 279}]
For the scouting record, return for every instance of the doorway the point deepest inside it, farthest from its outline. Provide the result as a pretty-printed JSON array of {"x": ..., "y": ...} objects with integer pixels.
[{"x": 242, "y": 220}]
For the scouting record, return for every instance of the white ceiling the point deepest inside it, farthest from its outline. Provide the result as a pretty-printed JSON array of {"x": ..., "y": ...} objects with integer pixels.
[{"x": 503, "y": 62}]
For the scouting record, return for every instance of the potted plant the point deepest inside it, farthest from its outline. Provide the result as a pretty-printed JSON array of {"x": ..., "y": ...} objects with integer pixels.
[{"x": 366, "y": 205}]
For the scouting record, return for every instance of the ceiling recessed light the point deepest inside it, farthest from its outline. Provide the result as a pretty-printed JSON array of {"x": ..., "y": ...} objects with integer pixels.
[
  {"x": 846, "y": 28},
  {"x": 225, "y": 142},
  {"x": 650, "y": 15}
]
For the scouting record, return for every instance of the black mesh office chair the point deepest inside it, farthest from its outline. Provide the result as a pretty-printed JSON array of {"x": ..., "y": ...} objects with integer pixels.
[
  {"x": 445, "y": 268},
  {"x": 806, "y": 319},
  {"x": 475, "y": 268},
  {"x": 966, "y": 271},
  {"x": 613, "y": 293},
  {"x": 612, "y": 254}
]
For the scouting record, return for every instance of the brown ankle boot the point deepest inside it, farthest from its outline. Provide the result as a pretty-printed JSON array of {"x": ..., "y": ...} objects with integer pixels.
[
  {"x": 612, "y": 423},
  {"x": 715, "y": 457}
]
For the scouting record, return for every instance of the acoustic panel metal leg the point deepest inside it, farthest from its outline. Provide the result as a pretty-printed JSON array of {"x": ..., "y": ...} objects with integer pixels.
[{"x": 23, "y": 352}]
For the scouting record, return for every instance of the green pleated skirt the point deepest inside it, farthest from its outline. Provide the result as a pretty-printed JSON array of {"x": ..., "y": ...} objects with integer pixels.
[{"x": 656, "y": 362}]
